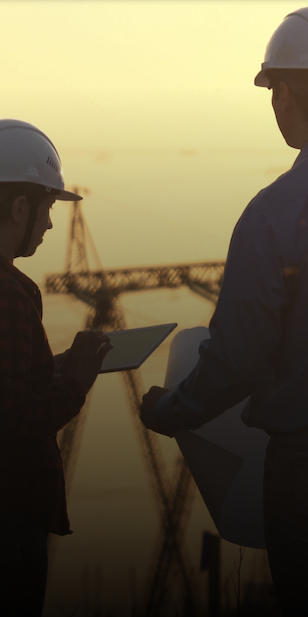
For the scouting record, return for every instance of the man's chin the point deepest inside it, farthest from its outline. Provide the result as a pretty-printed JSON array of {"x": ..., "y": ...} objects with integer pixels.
[{"x": 30, "y": 251}]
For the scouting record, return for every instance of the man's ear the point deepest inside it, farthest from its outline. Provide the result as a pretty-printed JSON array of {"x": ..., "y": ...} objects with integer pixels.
[
  {"x": 20, "y": 209},
  {"x": 286, "y": 97}
]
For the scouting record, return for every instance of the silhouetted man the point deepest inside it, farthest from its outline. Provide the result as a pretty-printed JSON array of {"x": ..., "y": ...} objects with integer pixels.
[
  {"x": 33, "y": 405},
  {"x": 259, "y": 331}
]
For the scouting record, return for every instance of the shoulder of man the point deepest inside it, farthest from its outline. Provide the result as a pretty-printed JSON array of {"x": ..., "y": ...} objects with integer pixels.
[
  {"x": 279, "y": 214},
  {"x": 19, "y": 293},
  {"x": 287, "y": 190}
]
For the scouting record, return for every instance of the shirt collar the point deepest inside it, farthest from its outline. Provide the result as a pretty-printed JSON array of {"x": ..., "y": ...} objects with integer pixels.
[
  {"x": 302, "y": 156},
  {"x": 7, "y": 266}
]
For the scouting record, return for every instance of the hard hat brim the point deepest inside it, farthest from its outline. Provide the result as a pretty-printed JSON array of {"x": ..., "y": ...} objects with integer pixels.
[
  {"x": 68, "y": 196},
  {"x": 262, "y": 80}
]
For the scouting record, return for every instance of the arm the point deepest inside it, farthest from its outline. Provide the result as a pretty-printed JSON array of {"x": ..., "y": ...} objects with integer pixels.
[
  {"x": 31, "y": 407},
  {"x": 246, "y": 332},
  {"x": 58, "y": 360}
]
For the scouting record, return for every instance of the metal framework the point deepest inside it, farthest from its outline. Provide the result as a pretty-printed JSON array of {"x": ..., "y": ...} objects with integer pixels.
[
  {"x": 204, "y": 278},
  {"x": 100, "y": 291}
]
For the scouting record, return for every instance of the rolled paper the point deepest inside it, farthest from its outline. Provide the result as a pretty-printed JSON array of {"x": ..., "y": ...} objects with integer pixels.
[{"x": 225, "y": 457}]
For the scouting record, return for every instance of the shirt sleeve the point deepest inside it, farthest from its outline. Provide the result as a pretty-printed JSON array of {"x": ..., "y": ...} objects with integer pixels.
[
  {"x": 246, "y": 332},
  {"x": 29, "y": 411}
]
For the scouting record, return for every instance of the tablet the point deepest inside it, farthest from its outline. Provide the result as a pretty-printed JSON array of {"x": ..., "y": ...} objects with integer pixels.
[{"x": 132, "y": 347}]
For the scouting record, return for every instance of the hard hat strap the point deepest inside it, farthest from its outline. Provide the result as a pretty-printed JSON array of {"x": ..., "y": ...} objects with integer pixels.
[{"x": 34, "y": 202}]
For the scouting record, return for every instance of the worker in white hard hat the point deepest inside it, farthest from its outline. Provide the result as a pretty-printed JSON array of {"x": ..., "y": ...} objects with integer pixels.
[
  {"x": 33, "y": 405},
  {"x": 259, "y": 331}
]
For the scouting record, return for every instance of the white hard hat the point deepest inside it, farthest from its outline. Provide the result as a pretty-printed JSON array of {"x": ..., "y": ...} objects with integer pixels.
[
  {"x": 288, "y": 47},
  {"x": 28, "y": 155}
]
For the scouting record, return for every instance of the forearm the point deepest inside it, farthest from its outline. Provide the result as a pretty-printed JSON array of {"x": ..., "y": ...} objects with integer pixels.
[
  {"x": 31, "y": 407},
  {"x": 195, "y": 402}
]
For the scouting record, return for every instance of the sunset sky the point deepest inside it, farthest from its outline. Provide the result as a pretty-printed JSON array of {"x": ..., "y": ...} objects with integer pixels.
[{"x": 152, "y": 107}]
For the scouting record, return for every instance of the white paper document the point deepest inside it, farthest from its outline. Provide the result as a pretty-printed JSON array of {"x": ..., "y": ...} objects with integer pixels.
[{"x": 225, "y": 457}]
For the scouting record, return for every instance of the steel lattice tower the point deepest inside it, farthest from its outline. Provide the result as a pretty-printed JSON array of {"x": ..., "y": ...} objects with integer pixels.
[{"x": 101, "y": 290}]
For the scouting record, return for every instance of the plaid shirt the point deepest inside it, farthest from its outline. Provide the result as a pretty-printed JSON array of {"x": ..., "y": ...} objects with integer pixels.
[{"x": 32, "y": 408}]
